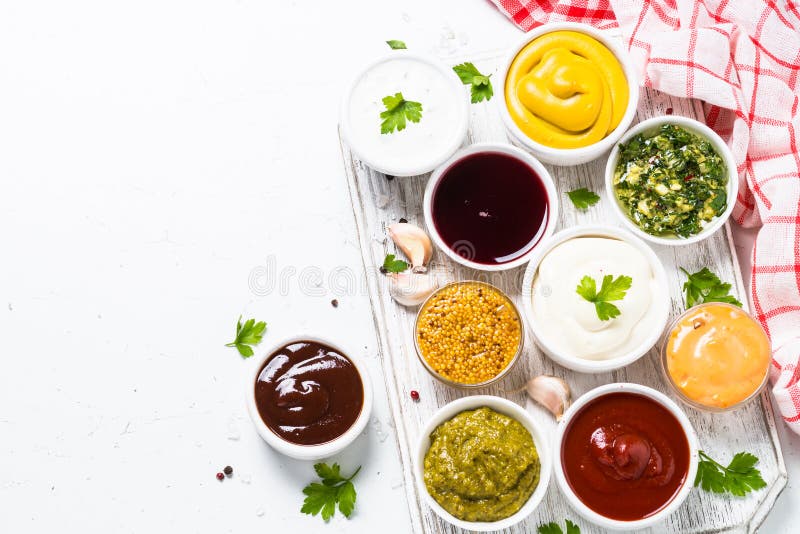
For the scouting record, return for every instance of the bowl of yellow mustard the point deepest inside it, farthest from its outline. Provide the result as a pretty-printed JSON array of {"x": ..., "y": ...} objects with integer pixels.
[{"x": 569, "y": 92}]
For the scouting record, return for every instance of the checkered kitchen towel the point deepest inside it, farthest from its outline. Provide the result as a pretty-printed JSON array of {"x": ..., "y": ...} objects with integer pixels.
[{"x": 742, "y": 58}]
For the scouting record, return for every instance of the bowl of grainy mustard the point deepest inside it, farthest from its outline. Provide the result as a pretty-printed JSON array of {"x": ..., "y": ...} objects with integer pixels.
[{"x": 468, "y": 334}]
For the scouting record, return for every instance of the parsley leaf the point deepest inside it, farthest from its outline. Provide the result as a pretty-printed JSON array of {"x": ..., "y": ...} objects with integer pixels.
[
  {"x": 249, "y": 333},
  {"x": 739, "y": 478},
  {"x": 550, "y": 528},
  {"x": 606, "y": 310},
  {"x": 391, "y": 265},
  {"x": 319, "y": 498},
  {"x": 583, "y": 198},
  {"x": 397, "y": 111},
  {"x": 705, "y": 286},
  {"x": 335, "y": 489},
  {"x": 329, "y": 474},
  {"x": 612, "y": 289},
  {"x": 554, "y": 528},
  {"x": 346, "y": 498},
  {"x": 481, "y": 85},
  {"x": 394, "y": 44}
]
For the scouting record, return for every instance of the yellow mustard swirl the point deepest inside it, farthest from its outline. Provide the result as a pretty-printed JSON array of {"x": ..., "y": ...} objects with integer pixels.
[{"x": 566, "y": 90}]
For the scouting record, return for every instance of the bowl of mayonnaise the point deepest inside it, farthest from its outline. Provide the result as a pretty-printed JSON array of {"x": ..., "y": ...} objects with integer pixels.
[
  {"x": 595, "y": 298},
  {"x": 404, "y": 114}
]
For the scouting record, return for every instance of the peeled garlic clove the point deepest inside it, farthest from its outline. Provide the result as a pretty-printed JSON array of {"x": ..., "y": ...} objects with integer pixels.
[
  {"x": 411, "y": 289},
  {"x": 413, "y": 242},
  {"x": 551, "y": 392}
]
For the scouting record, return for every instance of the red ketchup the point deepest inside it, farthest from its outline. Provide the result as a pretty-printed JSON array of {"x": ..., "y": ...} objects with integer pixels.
[{"x": 625, "y": 456}]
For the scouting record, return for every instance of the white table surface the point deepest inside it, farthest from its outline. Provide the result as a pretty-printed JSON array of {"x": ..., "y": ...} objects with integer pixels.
[{"x": 165, "y": 167}]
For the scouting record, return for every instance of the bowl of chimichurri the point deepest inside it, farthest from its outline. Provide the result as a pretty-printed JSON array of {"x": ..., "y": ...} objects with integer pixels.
[
  {"x": 483, "y": 463},
  {"x": 672, "y": 180}
]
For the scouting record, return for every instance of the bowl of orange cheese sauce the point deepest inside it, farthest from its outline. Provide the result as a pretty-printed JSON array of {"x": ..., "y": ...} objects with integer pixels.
[{"x": 716, "y": 356}]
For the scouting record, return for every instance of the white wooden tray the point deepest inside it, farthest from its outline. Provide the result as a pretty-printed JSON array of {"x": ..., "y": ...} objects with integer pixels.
[{"x": 379, "y": 201}]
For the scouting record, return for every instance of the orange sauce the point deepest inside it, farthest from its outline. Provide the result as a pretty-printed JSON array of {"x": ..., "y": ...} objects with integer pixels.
[{"x": 717, "y": 355}]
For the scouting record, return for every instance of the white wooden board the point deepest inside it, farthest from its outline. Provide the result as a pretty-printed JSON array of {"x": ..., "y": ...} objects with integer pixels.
[{"x": 379, "y": 201}]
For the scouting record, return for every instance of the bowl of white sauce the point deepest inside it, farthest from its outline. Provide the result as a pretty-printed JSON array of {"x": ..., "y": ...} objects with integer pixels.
[
  {"x": 435, "y": 124},
  {"x": 595, "y": 298}
]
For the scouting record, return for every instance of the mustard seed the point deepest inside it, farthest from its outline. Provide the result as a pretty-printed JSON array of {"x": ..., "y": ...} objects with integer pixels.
[{"x": 468, "y": 332}]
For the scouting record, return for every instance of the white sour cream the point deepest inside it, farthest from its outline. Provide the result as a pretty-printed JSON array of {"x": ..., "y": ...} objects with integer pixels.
[
  {"x": 569, "y": 323},
  {"x": 425, "y": 143}
]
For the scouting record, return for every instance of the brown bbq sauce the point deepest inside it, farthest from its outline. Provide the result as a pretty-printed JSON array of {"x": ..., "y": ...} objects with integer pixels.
[
  {"x": 309, "y": 393},
  {"x": 625, "y": 456},
  {"x": 490, "y": 208}
]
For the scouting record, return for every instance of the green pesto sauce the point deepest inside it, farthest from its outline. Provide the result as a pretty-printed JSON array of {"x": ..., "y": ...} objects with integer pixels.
[
  {"x": 481, "y": 465},
  {"x": 671, "y": 182}
]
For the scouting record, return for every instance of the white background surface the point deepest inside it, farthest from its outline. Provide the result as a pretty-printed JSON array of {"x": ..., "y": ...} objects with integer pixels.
[{"x": 154, "y": 155}]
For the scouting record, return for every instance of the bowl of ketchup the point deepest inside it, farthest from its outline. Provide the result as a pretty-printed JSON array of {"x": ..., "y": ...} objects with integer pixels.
[
  {"x": 625, "y": 456},
  {"x": 489, "y": 206},
  {"x": 308, "y": 398}
]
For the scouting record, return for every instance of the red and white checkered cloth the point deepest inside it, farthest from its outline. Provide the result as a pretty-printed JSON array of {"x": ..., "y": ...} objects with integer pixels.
[{"x": 742, "y": 58}]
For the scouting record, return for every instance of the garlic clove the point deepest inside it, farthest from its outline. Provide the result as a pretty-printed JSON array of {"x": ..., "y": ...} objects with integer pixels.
[
  {"x": 551, "y": 392},
  {"x": 413, "y": 242},
  {"x": 411, "y": 289}
]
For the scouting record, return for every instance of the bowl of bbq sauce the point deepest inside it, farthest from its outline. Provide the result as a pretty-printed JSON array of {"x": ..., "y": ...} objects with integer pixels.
[
  {"x": 490, "y": 205},
  {"x": 626, "y": 456},
  {"x": 308, "y": 398}
]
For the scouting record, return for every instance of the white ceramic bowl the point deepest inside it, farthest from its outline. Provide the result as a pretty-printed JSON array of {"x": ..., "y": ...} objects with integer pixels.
[
  {"x": 660, "y": 301},
  {"x": 323, "y": 450},
  {"x": 411, "y": 166},
  {"x": 693, "y": 126},
  {"x": 461, "y": 255},
  {"x": 568, "y": 156},
  {"x": 589, "y": 514},
  {"x": 506, "y": 407}
]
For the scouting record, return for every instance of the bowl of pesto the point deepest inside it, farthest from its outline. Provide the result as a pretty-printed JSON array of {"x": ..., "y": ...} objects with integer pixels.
[
  {"x": 483, "y": 463},
  {"x": 673, "y": 180}
]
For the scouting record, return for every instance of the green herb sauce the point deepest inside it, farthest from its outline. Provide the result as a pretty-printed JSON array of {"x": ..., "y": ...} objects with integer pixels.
[
  {"x": 481, "y": 465},
  {"x": 671, "y": 182}
]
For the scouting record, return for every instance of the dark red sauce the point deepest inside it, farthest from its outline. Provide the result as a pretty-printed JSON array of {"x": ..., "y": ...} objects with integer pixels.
[
  {"x": 309, "y": 393},
  {"x": 490, "y": 208},
  {"x": 625, "y": 456}
]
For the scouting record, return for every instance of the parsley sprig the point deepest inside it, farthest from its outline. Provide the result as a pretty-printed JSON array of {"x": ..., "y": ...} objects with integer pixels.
[
  {"x": 705, "y": 286},
  {"x": 249, "y": 333},
  {"x": 398, "y": 110},
  {"x": 555, "y": 528},
  {"x": 394, "y": 44},
  {"x": 612, "y": 289},
  {"x": 583, "y": 198},
  {"x": 481, "y": 85},
  {"x": 391, "y": 265},
  {"x": 738, "y": 478},
  {"x": 335, "y": 489}
]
